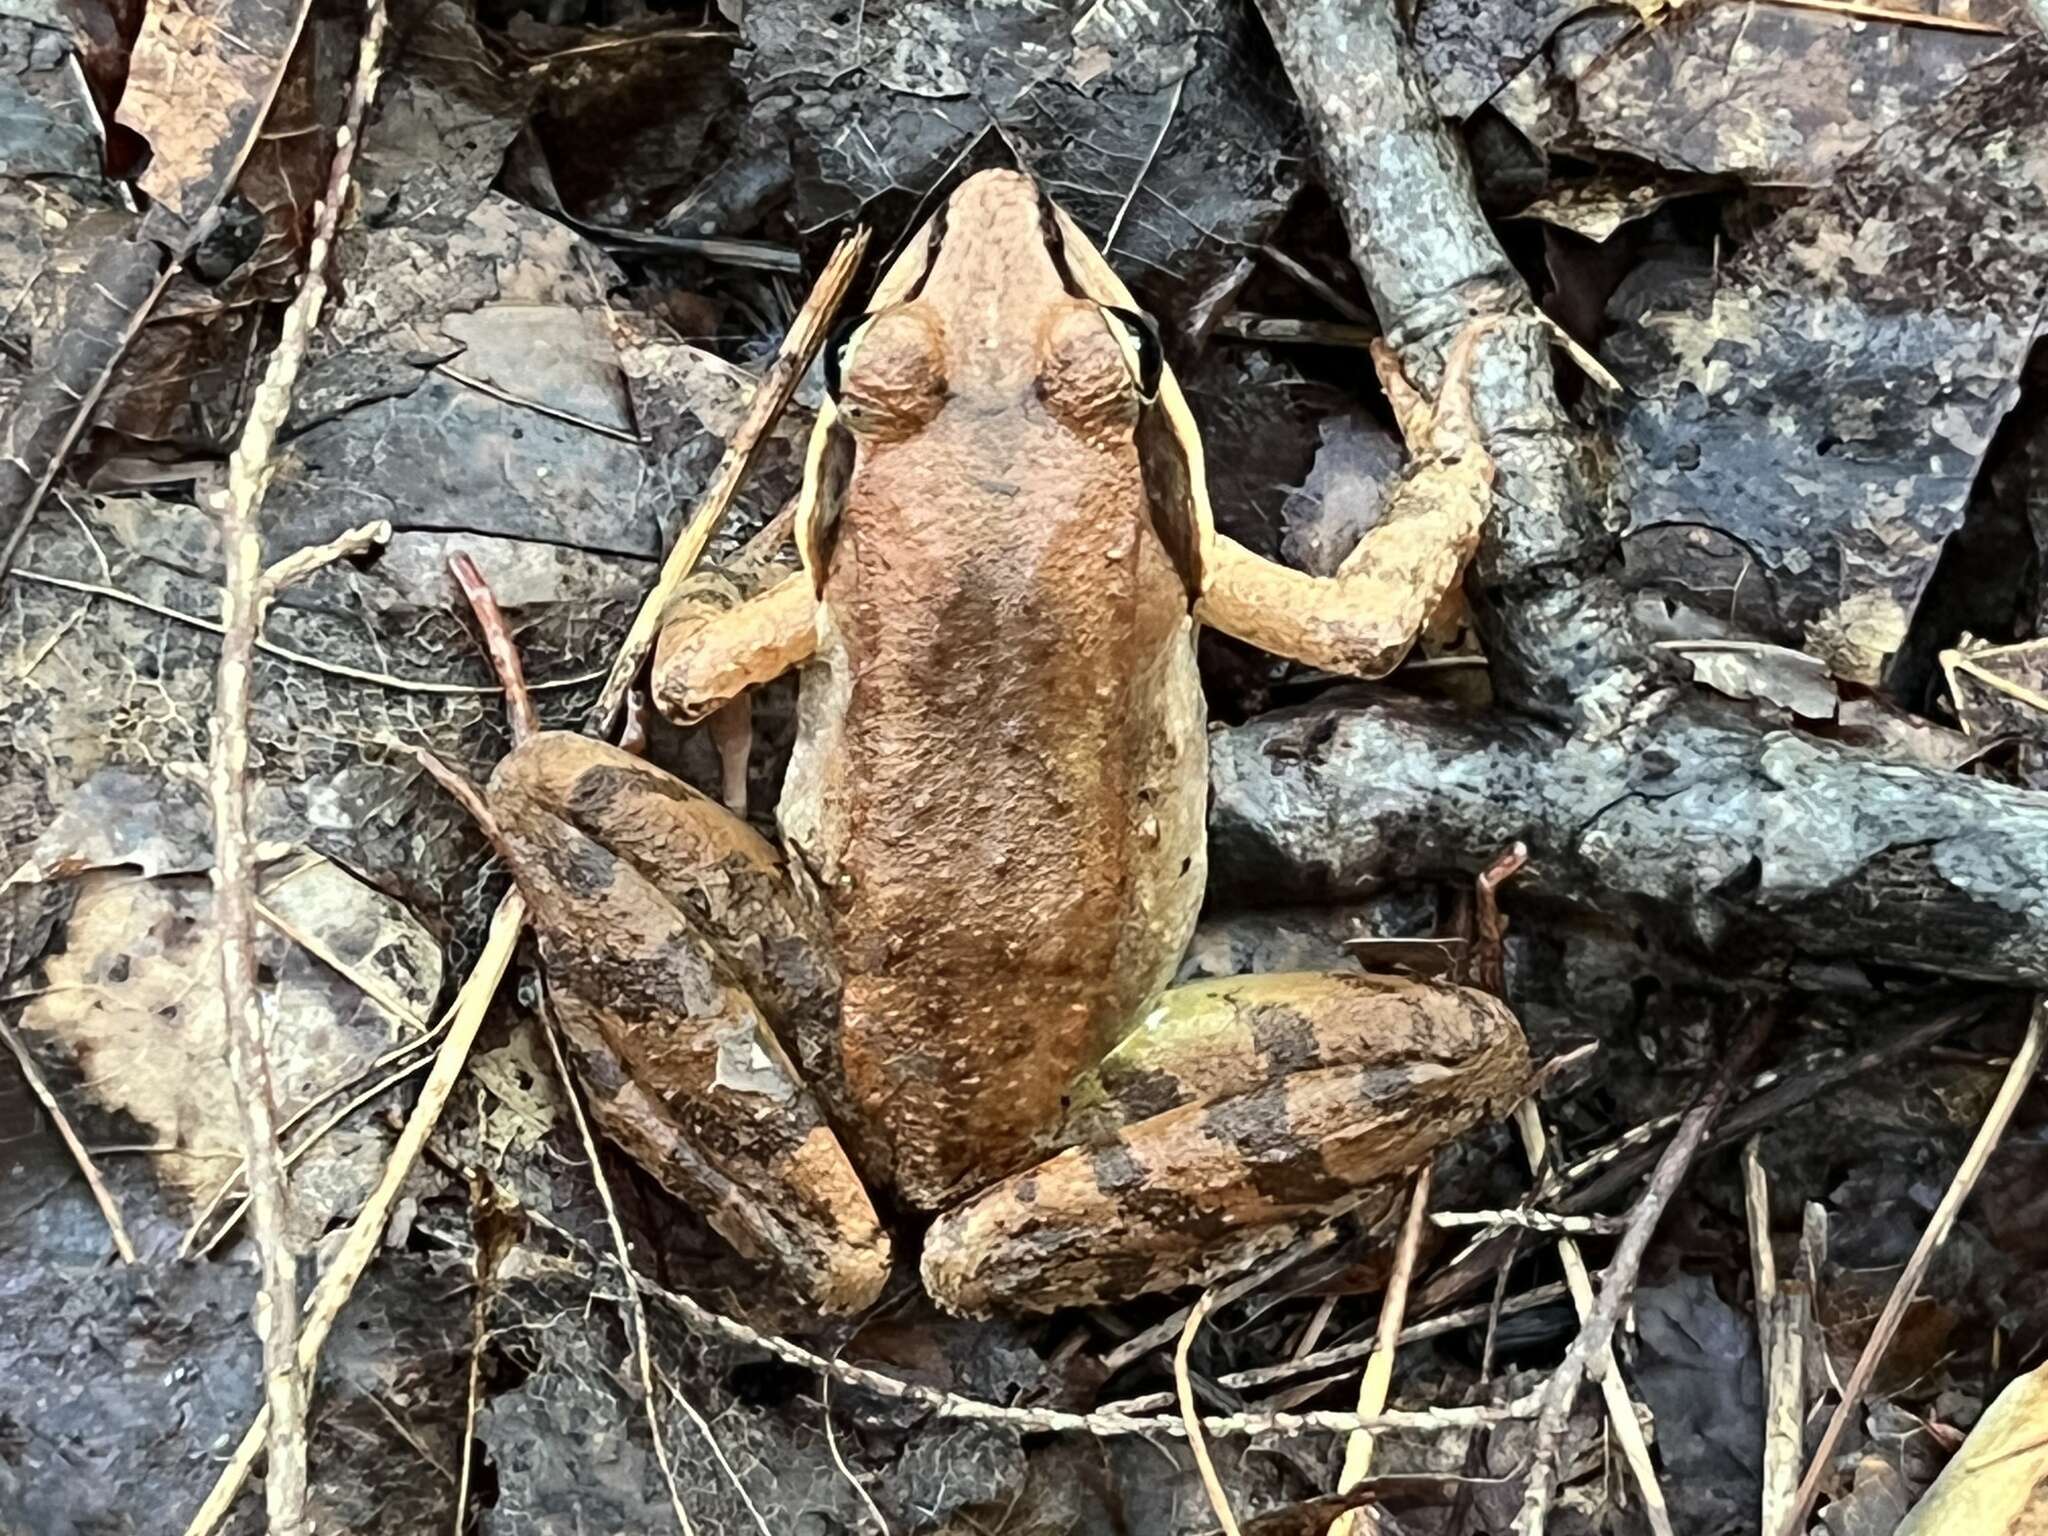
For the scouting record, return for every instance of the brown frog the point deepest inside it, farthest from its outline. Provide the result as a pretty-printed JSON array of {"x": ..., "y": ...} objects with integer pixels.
[{"x": 951, "y": 985}]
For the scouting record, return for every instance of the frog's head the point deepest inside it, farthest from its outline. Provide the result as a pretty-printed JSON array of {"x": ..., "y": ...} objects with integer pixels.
[{"x": 998, "y": 314}]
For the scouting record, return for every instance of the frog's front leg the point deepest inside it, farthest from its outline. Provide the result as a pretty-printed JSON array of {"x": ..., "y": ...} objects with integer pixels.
[
  {"x": 716, "y": 644},
  {"x": 1236, "y": 1113},
  {"x": 1362, "y": 620},
  {"x": 673, "y": 949}
]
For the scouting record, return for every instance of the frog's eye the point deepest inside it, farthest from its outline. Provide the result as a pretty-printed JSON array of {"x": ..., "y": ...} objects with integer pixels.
[
  {"x": 1089, "y": 370},
  {"x": 888, "y": 377},
  {"x": 1138, "y": 335}
]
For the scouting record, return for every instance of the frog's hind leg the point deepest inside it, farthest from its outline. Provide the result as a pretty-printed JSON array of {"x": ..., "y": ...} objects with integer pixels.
[
  {"x": 1233, "y": 1115},
  {"x": 671, "y": 944}
]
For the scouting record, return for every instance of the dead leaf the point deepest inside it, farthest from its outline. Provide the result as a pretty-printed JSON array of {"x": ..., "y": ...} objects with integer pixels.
[
  {"x": 1775, "y": 674},
  {"x": 133, "y": 996},
  {"x": 200, "y": 82}
]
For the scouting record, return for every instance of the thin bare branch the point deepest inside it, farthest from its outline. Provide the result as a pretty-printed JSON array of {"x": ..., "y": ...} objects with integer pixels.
[
  {"x": 246, "y": 592},
  {"x": 1618, "y": 1285}
]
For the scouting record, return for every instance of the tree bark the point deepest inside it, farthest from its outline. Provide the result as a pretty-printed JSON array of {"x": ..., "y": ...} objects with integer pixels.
[{"x": 1736, "y": 839}]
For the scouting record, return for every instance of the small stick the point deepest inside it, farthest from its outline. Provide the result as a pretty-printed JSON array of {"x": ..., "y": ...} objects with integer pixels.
[
  {"x": 636, "y": 1308},
  {"x": 1781, "y": 1339},
  {"x": 1191, "y": 1418},
  {"x": 1377, "y": 1377},
  {"x": 301, "y": 563},
  {"x": 2017, "y": 1078},
  {"x": 1618, "y": 1285},
  {"x": 1531, "y": 1221},
  {"x": 100, "y": 1193},
  {"x": 771, "y": 397},
  {"x": 501, "y": 647},
  {"x": 1621, "y": 1409},
  {"x": 246, "y": 591}
]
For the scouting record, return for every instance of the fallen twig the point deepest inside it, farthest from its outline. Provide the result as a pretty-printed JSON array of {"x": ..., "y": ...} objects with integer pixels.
[
  {"x": 771, "y": 397},
  {"x": 2017, "y": 1077},
  {"x": 246, "y": 592},
  {"x": 101, "y": 1195},
  {"x": 1626, "y": 1428},
  {"x": 1618, "y": 1285}
]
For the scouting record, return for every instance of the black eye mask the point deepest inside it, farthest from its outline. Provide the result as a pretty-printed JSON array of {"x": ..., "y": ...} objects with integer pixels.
[{"x": 1151, "y": 359}]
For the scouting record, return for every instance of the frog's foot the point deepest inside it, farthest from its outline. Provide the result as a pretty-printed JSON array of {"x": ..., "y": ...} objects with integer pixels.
[
  {"x": 1235, "y": 1114},
  {"x": 669, "y": 943},
  {"x": 1403, "y": 572}
]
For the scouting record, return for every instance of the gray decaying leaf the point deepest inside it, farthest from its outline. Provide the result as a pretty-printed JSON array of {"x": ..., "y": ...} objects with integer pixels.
[
  {"x": 1815, "y": 414},
  {"x": 48, "y": 123},
  {"x": 1697, "y": 1368},
  {"x": 1769, "y": 94},
  {"x": 1771, "y": 674},
  {"x": 1164, "y": 122},
  {"x": 1469, "y": 49}
]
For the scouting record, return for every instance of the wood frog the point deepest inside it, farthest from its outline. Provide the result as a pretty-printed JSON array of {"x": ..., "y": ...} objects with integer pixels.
[{"x": 949, "y": 986}]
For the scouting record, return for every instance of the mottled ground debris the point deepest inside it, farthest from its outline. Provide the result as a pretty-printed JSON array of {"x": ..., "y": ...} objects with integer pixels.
[{"x": 1751, "y": 662}]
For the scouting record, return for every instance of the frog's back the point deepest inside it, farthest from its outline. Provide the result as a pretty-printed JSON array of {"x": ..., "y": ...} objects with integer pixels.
[
  {"x": 1000, "y": 775},
  {"x": 999, "y": 787}
]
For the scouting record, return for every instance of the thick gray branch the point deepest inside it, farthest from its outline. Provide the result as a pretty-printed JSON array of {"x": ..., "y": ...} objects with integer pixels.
[
  {"x": 1742, "y": 840},
  {"x": 1556, "y": 631}
]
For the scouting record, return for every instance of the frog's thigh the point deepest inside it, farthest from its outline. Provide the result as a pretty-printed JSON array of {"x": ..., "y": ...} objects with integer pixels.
[
  {"x": 1233, "y": 1114},
  {"x": 630, "y": 876},
  {"x": 728, "y": 880}
]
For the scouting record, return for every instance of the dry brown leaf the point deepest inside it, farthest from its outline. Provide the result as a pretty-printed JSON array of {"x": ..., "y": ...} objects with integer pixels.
[{"x": 200, "y": 83}]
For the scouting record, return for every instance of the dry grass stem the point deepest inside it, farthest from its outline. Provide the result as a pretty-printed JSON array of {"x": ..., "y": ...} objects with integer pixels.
[
  {"x": 102, "y": 1196},
  {"x": 1781, "y": 1339},
  {"x": 636, "y": 1308},
  {"x": 718, "y": 1455},
  {"x": 1168, "y": 1328},
  {"x": 2017, "y": 1078},
  {"x": 1184, "y": 1389},
  {"x": 1592, "y": 1347},
  {"x": 832, "y": 1444},
  {"x": 1377, "y": 1378}
]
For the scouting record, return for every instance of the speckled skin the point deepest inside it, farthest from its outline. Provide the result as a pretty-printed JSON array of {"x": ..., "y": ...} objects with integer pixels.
[{"x": 994, "y": 823}]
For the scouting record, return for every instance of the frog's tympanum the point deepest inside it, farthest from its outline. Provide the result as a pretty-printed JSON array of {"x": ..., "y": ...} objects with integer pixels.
[{"x": 950, "y": 984}]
